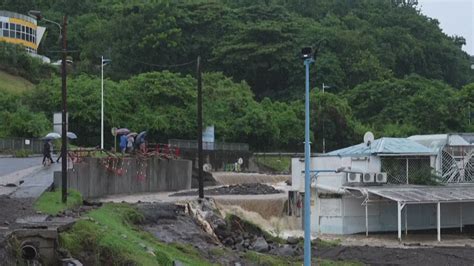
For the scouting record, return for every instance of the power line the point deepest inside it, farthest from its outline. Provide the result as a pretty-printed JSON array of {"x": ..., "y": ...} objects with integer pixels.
[{"x": 164, "y": 66}]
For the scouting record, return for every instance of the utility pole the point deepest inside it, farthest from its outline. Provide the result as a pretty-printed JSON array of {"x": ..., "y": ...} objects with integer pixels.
[
  {"x": 64, "y": 113},
  {"x": 199, "y": 128},
  {"x": 63, "y": 33},
  {"x": 469, "y": 108}
]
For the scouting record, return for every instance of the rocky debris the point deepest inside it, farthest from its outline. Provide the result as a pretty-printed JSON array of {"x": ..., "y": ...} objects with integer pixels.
[
  {"x": 260, "y": 245},
  {"x": 78, "y": 211},
  {"x": 241, "y": 235},
  {"x": 208, "y": 179},
  {"x": 173, "y": 223},
  {"x": 285, "y": 250},
  {"x": 292, "y": 240},
  {"x": 239, "y": 189}
]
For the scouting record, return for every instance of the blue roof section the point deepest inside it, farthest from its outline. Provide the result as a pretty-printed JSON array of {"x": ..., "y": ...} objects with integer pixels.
[{"x": 387, "y": 146}]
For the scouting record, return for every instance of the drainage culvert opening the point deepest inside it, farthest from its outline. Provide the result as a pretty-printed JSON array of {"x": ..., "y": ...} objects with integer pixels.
[{"x": 29, "y": 252}]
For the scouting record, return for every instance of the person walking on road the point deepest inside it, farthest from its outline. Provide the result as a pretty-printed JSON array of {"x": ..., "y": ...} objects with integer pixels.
[{"x": 47, "y": 149}]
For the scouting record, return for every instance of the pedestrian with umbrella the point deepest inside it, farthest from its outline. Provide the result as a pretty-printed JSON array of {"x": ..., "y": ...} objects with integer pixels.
[
  {"x": 123, "y": 143},
  {"x": 140, "y": 141},
  {"x": 48, "y": 146},
  {"x": 70, "y": 135},
  {"x": 47, "y": 149},
  {"x": 130, "y": 141}
]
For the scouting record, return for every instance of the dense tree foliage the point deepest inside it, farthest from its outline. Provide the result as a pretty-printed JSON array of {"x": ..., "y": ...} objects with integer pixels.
[
  {"x": 164, "y": 104},
  {"x": 14, "y": 60},
  {"x": 390, "y": 68},
  {"x": 259, "y": 41}
]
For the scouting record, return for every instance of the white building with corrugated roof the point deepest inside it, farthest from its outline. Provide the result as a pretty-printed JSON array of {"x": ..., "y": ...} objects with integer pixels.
[{"x": 381, "y": 185}]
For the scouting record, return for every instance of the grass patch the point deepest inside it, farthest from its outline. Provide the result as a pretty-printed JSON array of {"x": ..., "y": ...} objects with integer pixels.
[
  {"x": 21, "y": 153},
  {"x": 110, "y": 237},
  {"x": 277, "y": 163},
  {"x": 51, "y": 203},
  {"x": 329, "y": 243},
  {"x": 14, "y": 84},
  {"x": 266, "y": 259}
]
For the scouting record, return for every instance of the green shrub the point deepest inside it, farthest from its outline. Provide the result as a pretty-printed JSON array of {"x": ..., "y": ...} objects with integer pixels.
[
  {"x": 15, "y": 60},
  {"x": 21, "y": 153}
]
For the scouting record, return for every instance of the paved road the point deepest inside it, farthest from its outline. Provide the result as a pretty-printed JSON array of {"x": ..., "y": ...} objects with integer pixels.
[
  {"x": 35, "y": 184},
  {"x": 10, "y": 165},
  {"x": 34, "y": 178}
]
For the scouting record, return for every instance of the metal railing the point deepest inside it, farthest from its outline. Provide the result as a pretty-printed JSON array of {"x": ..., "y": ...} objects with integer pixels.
[
  {"x": 220, "y": 146},
  {"x": 4, "y": 13},
  {"x": 8, "y": 145}
]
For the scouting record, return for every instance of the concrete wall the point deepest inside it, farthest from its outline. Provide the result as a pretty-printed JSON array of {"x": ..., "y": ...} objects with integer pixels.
[
  {"x": 364, "y": 164},
  {"x": 93, "y": 180}
]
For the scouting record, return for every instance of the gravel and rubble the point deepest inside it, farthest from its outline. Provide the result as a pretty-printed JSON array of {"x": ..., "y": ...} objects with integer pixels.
[
  {"x": 240, "y": 189},
  {"x": 240, "y": 236}
]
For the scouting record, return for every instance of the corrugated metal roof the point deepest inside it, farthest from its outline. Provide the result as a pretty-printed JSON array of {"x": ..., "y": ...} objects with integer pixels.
[
  {"x": 384, "y": 146},
  {"x": 436, "y": 142},
  {"x": 422, "y": 194}
]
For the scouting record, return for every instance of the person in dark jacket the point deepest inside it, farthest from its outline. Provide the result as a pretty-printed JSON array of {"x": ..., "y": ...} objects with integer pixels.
[{"x": 47, "y": 151}]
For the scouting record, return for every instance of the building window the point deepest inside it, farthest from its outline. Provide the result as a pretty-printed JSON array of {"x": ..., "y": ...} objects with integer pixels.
[
  {"x": 18, "y": 27},
  {"x": 18, "y": 35},
  {"x": 12, "y": 34},
  {"x": 5, "y": 33},
  {"x": 23, "y": 36},
  {"x": 6, "y": 25}
]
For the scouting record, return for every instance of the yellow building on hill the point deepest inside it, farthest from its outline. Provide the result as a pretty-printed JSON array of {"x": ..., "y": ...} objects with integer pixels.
[{"x": 20, "y": 29}]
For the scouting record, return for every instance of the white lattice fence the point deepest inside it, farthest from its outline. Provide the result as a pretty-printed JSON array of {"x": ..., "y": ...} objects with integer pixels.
[{"x": 457, "y": 165}]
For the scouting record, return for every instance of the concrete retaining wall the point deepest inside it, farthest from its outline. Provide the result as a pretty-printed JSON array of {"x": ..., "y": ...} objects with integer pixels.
[{"x": 94, "y": 180}]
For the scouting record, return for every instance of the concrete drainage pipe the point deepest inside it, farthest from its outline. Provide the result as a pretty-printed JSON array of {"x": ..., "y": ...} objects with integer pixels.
[{"x": 29, "y": 251}]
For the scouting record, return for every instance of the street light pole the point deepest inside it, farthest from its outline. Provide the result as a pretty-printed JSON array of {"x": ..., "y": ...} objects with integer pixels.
[
  {"x": 323, "y": 121},
  {"x": 64, "y": 112},
  {"x": 102, "y": 103},
  {"x": 308, "y": 60}
]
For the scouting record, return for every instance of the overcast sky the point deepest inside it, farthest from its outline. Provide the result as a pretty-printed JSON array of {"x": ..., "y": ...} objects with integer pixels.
[{"x": 456, "y": 17}]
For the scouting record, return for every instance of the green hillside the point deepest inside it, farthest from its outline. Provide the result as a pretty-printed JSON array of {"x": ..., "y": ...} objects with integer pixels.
[{"x": 14, "y": 84}]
